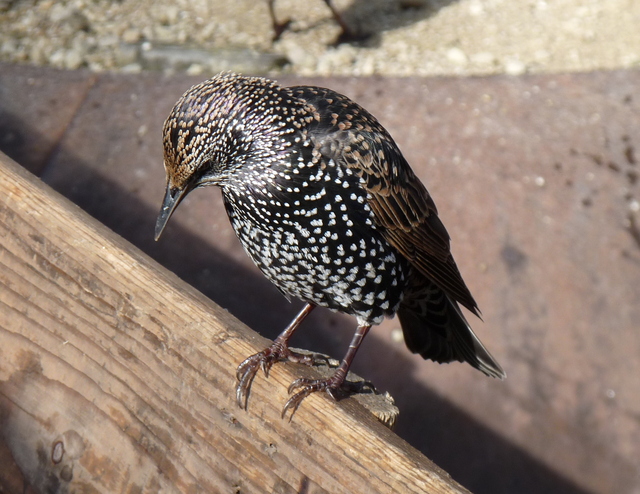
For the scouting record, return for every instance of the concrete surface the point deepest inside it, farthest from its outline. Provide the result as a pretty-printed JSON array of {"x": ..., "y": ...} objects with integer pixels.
[
  {"x": 401, "y": 37},
  {"x": 536, "y": 178}
]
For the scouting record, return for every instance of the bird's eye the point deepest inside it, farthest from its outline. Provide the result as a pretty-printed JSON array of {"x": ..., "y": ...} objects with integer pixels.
[
  {"x": 237, "y": 137},
  {"x": 208, "y": 171}
]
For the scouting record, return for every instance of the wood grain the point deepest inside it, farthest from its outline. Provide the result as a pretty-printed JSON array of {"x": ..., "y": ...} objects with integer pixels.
[{"x": 116, "y": 376}]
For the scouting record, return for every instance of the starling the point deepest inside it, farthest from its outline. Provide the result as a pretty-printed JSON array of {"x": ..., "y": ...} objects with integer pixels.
[{"x": 324, "y": 203}]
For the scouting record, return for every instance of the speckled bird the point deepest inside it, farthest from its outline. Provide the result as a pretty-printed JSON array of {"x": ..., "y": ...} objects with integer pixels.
[{"x": 326, "y": 206}]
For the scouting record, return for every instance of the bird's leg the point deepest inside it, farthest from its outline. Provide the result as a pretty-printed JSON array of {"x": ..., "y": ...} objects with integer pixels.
[
  {"x": 338, "y": 17},
  {"x": 304, "y": 387},
  {"x": 279, "y": 350},
  {"x": 278, "y": 27},
  {"x": 347, "y": 35}
]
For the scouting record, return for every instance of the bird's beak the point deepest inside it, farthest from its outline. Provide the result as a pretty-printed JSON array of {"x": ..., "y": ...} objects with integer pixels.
[{"x": 172, "y": 198}]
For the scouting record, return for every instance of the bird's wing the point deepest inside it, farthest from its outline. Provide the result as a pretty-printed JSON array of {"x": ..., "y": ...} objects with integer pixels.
[{"x": 403, "y": 208}]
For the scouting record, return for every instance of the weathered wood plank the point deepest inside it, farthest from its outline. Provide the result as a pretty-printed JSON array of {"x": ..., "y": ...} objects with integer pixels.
[{"x": 116, "y": 376}]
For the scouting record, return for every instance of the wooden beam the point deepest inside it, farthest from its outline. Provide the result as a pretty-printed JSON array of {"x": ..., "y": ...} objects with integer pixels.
[{"x": 116, "y": 376}]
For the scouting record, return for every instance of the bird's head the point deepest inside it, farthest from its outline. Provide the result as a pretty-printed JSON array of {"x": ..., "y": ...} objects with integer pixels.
[{"x": 216, "y": 128}]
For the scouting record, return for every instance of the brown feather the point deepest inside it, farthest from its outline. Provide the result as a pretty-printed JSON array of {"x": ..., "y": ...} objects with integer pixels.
[{"x": 403, "y": 209}]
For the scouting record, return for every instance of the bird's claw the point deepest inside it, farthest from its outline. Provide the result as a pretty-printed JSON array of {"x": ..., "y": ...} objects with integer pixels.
[
  {"x": 264, "y": 360},
  {"x": 304, "y": 387},
  {"x": 279, "y": 28},
  {"x": 246, "y": 372}
]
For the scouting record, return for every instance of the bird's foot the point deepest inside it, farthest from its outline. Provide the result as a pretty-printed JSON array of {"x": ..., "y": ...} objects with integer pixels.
[
  {"x": 279, "y": 28},
  {"x": 264, "y": 360},
  {"x": 335, "y": 386}
]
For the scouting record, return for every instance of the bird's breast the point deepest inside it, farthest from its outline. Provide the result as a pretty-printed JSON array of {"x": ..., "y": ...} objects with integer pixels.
[{"x": 312, "y": 233}]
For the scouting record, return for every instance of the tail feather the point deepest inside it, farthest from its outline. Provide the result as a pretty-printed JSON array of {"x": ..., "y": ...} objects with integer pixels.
[{"x": 434, "y": 326}]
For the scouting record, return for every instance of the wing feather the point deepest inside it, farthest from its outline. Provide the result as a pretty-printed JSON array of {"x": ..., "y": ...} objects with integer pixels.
[{"x": 403, "y": 209}]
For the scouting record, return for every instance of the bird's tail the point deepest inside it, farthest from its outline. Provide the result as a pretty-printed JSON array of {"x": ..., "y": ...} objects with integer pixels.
[{"x": 434, "y": 326}]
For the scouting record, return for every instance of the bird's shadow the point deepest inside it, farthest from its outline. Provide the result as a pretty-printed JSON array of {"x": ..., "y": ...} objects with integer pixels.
[{"x": 367, "y": 20}]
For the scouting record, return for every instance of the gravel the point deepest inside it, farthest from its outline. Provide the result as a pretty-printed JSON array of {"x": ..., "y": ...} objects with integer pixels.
[{"x": 406, "y": 37}]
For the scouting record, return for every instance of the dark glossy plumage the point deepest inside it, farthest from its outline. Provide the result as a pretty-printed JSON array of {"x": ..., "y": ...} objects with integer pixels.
[{"x": 327, "y": 207}]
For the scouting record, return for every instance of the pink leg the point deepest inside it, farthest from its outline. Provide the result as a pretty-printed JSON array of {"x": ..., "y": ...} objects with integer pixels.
[
  {"x": 304, "y": 387},
  {"x": 278, "y": 27},
  {"x": 279, "y": 350}
]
